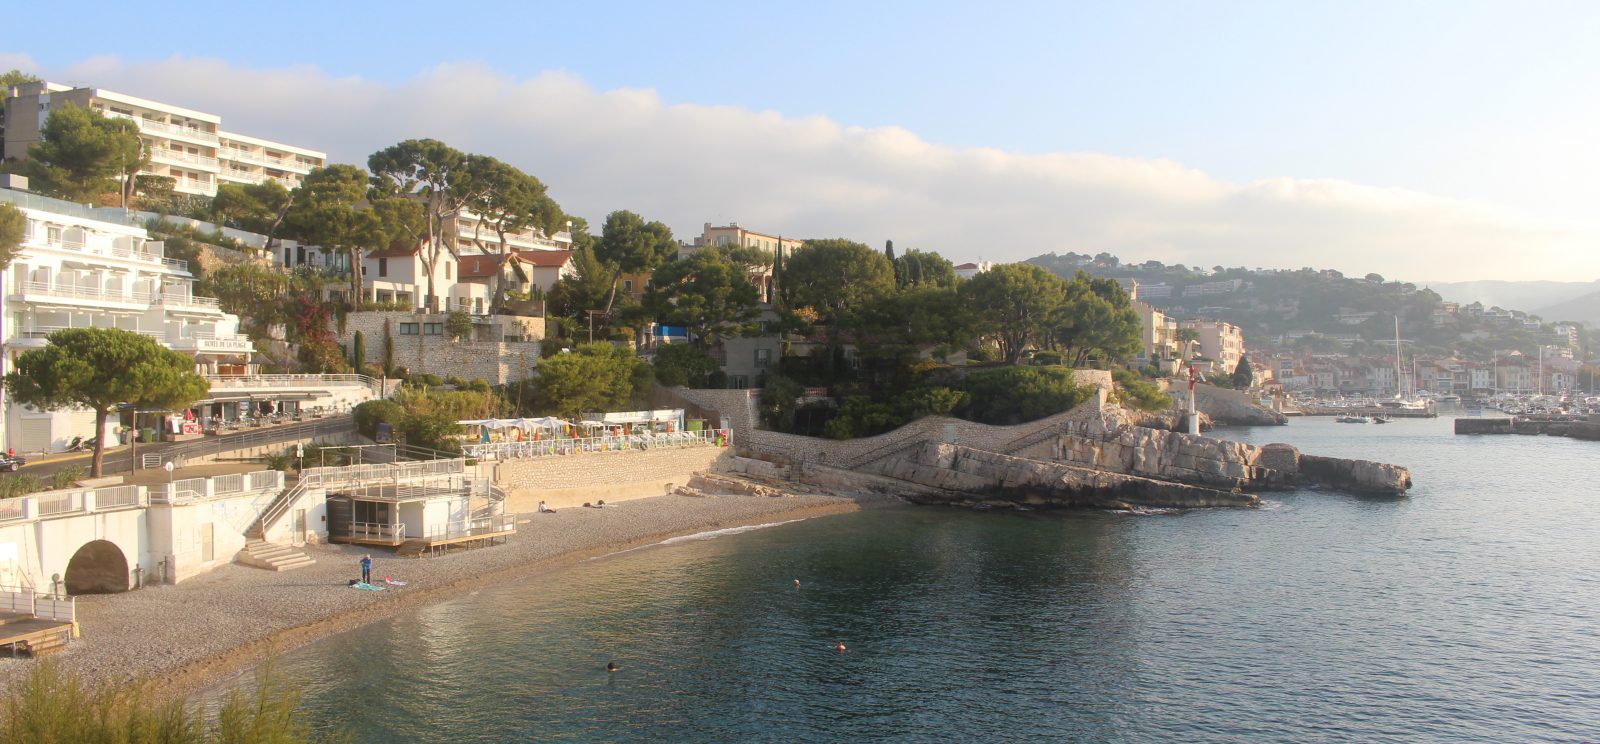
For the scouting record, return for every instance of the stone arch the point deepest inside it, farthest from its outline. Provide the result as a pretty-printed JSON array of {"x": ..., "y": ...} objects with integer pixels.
[{"x": 99, "y": 567}]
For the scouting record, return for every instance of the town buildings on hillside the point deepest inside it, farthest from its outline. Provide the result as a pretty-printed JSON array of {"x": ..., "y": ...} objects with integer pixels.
[
  {"x": 188, "y": 146},
  {"x": 86, "y": 267}
]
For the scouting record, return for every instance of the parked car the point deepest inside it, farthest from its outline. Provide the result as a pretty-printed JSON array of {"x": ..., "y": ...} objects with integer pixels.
[{"x": 9, "y": 464}]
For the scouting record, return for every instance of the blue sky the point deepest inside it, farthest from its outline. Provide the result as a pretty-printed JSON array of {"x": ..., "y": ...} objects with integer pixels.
[{"x": 1485, "y": 104}]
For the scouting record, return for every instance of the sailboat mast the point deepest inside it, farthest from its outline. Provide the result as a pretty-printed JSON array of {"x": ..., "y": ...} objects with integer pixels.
[{"x": 1399, "y": 391}]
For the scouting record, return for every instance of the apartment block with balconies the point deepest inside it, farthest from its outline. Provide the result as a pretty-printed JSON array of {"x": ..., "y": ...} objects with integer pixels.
[
  {"x": 78, "y": 269},
  {"x": 188, "y": 146}
]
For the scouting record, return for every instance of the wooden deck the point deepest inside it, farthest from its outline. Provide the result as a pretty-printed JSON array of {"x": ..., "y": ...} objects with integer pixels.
[
  {"x": 416, "y": 546},
  {"x": 27, "y": 635}
]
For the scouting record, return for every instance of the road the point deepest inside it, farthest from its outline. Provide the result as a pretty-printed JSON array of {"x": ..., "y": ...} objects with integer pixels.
[{"x": 119, "y": 459}]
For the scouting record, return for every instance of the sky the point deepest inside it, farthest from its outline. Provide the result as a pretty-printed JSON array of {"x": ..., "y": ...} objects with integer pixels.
[{"x": 1422, "y": 140}]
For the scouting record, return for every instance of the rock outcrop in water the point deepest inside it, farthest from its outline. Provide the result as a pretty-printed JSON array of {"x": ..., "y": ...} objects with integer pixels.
[
  {"x": 1095, "y": 455},
  {"x": 962, "y": 475}
]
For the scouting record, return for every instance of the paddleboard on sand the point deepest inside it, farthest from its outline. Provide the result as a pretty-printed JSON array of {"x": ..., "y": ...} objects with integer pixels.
[
  {"x": 392, "y": 582},
  {"x": 366, "y": 586}
]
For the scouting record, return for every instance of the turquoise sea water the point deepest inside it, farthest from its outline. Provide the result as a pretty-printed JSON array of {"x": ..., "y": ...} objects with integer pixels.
[{"x": 1467, "y": 611}]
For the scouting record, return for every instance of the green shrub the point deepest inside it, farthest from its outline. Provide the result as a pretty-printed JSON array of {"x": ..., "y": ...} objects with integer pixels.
[
  {"x": 1137, "y": 392},
  {"x": 373, "y": 412},
  {"x": 1015, "y": 395},
  {"x": 51, "y": 705},
  {"x": 686, "y": 365},
  {"x": 1047, "y": 358}
]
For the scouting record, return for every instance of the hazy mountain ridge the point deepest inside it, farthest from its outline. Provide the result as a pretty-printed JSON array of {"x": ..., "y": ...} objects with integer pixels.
[{"x": 1530, "y": 296}]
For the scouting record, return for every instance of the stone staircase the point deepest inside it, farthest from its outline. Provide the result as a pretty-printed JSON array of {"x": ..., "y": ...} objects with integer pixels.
[{"x": 272, "y": 557}]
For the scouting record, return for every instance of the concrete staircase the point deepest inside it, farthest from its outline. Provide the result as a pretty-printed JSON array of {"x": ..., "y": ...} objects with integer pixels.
[{"x": 272, "y": 557}]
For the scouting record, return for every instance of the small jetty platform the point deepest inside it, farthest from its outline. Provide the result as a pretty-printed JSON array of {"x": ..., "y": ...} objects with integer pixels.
[{"x": 26, "y": 635}]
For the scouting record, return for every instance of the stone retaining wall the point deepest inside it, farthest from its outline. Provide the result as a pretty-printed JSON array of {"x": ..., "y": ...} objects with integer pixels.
[
  {"x": 739, "y": 413},
  {"x": 571, "y": 480},
  {"x": 497, "y": 362}
]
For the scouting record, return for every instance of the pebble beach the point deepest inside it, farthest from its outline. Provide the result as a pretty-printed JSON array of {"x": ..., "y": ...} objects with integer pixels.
[{"x": 184, "y": 637}]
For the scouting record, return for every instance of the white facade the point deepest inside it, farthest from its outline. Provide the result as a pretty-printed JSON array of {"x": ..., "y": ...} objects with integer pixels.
[
  {"x": 188, "y": 146},
  {"x": 77, "y": 271}
]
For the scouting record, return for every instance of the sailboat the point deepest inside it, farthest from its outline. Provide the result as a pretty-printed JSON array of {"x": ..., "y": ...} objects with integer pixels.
[{"x": 1402, "y": 399}]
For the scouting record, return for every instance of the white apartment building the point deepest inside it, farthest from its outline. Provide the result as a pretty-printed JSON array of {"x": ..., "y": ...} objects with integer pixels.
[
  {"x": 188, "y": 146},
  {"x": 1219, "y": 341},
  {"x": 79, "y": 270}
]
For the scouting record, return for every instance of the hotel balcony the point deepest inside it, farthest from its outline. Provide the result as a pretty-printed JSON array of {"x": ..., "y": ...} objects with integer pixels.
[
  {"x": 46, "y": 293},
  {"x": 184, "y": 158},
  {"x": 178, "y": 301},
  {"x": 241, "y": 175},
  {"x": 169, "y": 131},
  {"x": 150, "y": 254},
  {"x": 257, "y": 158}
]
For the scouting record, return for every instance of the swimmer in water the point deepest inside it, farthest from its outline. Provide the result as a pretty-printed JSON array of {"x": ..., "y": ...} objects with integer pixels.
[
  {"x": 797, "y": 583},
  {"x": 839, "y": 647},
  {"x": 611, "y": 666}
]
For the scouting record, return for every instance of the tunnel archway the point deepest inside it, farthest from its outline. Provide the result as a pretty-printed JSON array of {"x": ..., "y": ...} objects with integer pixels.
[{"x": 99, "y": 567}]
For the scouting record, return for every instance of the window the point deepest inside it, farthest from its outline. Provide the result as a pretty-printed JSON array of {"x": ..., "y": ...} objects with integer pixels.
[
  {"x": 738, "y": 382},
  {"x": 383, "y": 267},
  {"x": 627, "y": 285},
  {"x": 447, "y": 269},
  {"x": 408, "y": 329},
  {"x": 433, "y": 329},
  {"x": 763, "y": 358},
  {"x": 477, "y": 305}
]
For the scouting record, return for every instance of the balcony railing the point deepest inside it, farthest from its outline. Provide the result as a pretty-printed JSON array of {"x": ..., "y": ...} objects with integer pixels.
[
  {"x": 180, "y": 300},
  {"x": 132, "y": 297},
  {"x": 160, "y": 127},
  {"x": 246, "y": 156},
  {"x": 273, "y": 381},
  {"x": 37, "y": 239},
  {"x": 178, "y": 156}
]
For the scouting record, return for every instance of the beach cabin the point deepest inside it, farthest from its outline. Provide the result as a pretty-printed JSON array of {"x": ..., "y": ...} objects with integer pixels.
[{"x": 417, "y": 512}]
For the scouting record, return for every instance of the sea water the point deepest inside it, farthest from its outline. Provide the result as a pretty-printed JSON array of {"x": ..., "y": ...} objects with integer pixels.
[{"x": 1466, "y": 611}]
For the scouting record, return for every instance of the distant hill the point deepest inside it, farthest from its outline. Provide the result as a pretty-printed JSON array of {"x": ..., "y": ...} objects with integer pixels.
[
  {"x": 1514, "y": 295},
  {"x": 1584, "y": 309}
]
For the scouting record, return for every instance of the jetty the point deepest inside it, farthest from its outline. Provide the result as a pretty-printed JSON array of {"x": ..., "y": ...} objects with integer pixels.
[{"x": 1587, "y": 428}]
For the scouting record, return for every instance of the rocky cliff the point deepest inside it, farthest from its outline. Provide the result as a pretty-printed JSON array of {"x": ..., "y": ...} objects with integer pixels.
[{"x": 966, "y": 476}]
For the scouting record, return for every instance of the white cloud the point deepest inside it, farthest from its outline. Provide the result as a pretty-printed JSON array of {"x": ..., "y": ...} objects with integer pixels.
[{"x": 813, "y": 177}]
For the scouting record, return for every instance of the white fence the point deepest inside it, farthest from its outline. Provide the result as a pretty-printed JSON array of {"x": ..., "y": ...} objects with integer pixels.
[
  {"x": 71, "y": 502},
  {"x": 44, "y": 606},
  {"x": 193, "y": 489},
  {"x": 556, "y": 447}
]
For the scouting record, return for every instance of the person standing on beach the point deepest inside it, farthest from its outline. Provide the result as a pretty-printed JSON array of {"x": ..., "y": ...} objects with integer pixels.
[{"x": 366, "y": 569}]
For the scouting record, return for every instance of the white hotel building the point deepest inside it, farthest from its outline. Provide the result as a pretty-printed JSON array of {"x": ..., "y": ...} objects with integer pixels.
[
  {"x": 82, "y": 268},
  {"x": 191, "y": 147}
]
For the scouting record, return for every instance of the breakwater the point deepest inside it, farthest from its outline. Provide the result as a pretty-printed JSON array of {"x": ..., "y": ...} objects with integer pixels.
[{"x": 1588, "y": 429}]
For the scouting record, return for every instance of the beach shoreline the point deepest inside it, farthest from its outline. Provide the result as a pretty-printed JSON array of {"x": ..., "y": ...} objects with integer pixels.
[{"x": 190, "y": 637}]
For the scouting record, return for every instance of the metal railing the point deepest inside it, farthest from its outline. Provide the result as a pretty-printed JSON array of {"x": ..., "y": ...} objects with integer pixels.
[
  {"x": 185, "y": 300},
  {"x": 116, "y": 497},
  {"x": 263, "y": 381},
  {"x": 13, "y": 509},
  {"x": 132, "y": 297},
  {"x": 247, "y": 156},
  {"x": 470, "y": 527},
  {"x": 161, "y": 127},
  {"x": 59, "y": 503},
  {"x": 179, "y": 156},
  {"x": 376, "y": 531},
  {"x": 552, "y": 447},
  {"x": 42, "y": 239}
]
